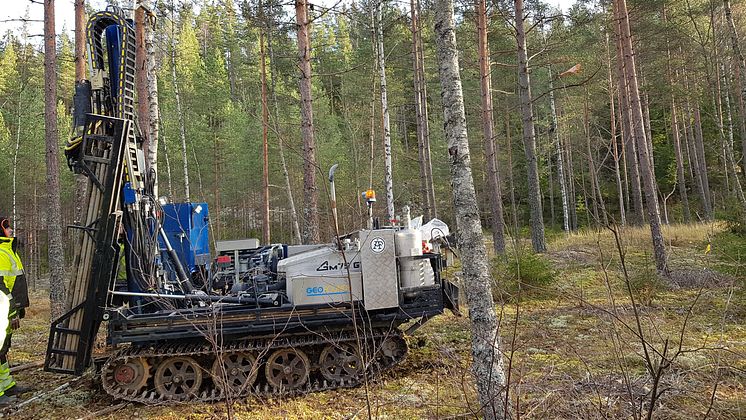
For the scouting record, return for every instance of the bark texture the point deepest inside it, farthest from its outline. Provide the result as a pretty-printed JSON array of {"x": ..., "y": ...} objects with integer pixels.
[
  {"x": 152, "y": 92},
  {"x": 51, "y": 139},
  {"x": 558, "y": 155},
  {"x": 488, "y": 124},
  {"x": 638, "y": 127},
  {"x": 387, "y": 163},
  {"x": 141, "y": 78},
  {"x": 529, "y": 134},
  {"x": 310, "y": 233},
  {"x": 487, "y": 360}
]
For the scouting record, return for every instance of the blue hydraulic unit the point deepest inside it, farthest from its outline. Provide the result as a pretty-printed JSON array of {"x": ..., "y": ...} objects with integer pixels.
[{"x": 187, "y": 227}]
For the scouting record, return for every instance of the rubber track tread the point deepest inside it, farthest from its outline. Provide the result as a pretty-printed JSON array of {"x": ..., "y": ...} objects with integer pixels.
[{"x": 263, "y": 346}]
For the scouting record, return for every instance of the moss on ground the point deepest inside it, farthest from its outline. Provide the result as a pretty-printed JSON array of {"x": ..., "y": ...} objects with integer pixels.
[{"x": 575, "y": 352}]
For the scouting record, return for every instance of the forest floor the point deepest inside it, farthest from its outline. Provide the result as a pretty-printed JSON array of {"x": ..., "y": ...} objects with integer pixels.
[{"x": 572, "y": 345}]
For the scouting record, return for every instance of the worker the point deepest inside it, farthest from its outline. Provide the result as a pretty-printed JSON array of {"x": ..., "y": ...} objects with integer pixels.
[{"x": 13, "y": 305}]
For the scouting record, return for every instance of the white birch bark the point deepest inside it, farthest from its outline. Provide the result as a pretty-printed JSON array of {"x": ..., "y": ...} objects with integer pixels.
[
  {"x": 388, "y": 167},
  {"x": 152, "y": 87},
  {"x": 487, "y": 364}
]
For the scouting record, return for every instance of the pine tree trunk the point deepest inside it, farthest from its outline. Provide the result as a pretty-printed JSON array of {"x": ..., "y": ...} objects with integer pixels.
[
  {"x": 490, "y": 152},
  {"x": 739, "y": 57},
  {"x": 280, "y": 146},
  {"x": 81, "y": 181},
  {"x": 729, "y": 154},
  {"x": 529, "y": 134},
  {"x": 419, "y": 112},
  {"x": 180, "y": 114},
  {"x": 266, "y": 238},
  {"x": 310, "y": 233},
  {"x": 702, "y": 169},
  {"x": 680, "y": 173},
  {"x": 614, "y": 145},
  {"x": 559, "y": 156},
  {"x": 426, "y": 119},
  {"x": 636, "y": 215},
  {"x": 51, "y": 139},
  {"x": 387, "y": 164},
  {"x": 659, "y": 247},
  {"x": 598, "y": 200},
  {"x": 487, "y": 362}
]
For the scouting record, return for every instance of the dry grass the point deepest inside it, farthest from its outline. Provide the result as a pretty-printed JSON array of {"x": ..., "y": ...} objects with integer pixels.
[{"x": 574, "y": 355}]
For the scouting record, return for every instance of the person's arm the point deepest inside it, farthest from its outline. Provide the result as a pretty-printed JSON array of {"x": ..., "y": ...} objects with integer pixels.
[
  {"x": 15, "y": 322},
  {"x": 20, "y": 295}
]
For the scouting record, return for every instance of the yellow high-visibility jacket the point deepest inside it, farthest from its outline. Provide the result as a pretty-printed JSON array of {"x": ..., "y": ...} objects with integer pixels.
[{"x": 10, "y": 268}]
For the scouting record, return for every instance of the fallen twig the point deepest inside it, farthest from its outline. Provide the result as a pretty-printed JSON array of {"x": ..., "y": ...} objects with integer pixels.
[
  {"x": 26, "y": 366},
  {"x": 105, "y": 411},
  {"x": 44, "y": 395}
]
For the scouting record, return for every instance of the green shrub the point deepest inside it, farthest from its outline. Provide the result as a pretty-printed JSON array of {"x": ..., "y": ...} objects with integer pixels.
[
  {"x": 734, "y": 217},
  {"x": 523, "y": 275},
  {"x": 646, "y": 285}
]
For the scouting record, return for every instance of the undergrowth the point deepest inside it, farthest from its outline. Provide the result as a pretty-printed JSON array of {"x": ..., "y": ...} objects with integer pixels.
[{"x": 523, "y": 275}]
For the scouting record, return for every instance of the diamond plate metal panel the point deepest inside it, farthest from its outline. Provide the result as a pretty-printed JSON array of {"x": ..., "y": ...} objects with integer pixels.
[{"x": 378, "y": 258}]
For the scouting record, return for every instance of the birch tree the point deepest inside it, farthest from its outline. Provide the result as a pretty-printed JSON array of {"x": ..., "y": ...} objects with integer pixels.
[
  {"x": 388, "y": 168},
  {"x": 487, "y": 364}
]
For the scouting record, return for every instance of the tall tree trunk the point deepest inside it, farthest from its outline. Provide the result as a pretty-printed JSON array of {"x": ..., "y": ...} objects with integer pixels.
[
  {"x": 153, "y": 128},
  {"x": 529, "y": 134},
  {"x": 310, "y": 233},
  {"x": 266, "y": 238},
  {"x": 487, "y": 359},
  {"x": 419, "y": 111},
  {"x": 490, "y": 152},
  {"x": 81, "y": 181},
  {"x": 179, "y": 113},
  {"x": 511, "y": 184},
  {"x": 739, "y": 57},
  {"x": 387, "y": 164},
  {"x": 166, "y": 157},
  {"x": 51, "y": 139},
  {"x": 636, "y": 215},
  {"x": 597, "y": 197},
  {"x": 729, "y": 154},
  {"x": 426, "y": 120},
  {"x": 141, "y": 78},
  {"x": 659, "y": 246},
  {"x": 680, "y": 173},
  {"x": 700, "y": 143},
  {"x": 559, "y": 156},
  {"x": 614, "y": 146},
  {"x": 296, "y": 231}
]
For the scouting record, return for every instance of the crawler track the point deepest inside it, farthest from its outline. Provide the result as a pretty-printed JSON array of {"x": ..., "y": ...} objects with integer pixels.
[{"x": 283, "y": 365}]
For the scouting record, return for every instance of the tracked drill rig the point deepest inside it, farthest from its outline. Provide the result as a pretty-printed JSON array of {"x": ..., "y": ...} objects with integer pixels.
[{"x": 182, "y": 325}]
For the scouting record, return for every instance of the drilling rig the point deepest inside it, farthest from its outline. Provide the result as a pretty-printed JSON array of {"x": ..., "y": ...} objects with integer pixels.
[{"x": 183, "y": 324}]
